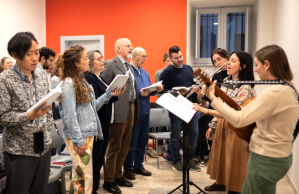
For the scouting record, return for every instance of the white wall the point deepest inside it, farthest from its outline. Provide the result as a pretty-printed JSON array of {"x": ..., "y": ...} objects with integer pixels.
[{"x": 21, "y": 15}]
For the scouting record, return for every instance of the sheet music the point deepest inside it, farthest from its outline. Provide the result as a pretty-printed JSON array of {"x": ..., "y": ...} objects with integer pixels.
[
  {"x": 118, "y": 82},
  {"x": 177, "y": 106},
  {"x": 152, "y": 87},
  {"x": 186, "y": 89},
  {"x": 49, "y": 98}
]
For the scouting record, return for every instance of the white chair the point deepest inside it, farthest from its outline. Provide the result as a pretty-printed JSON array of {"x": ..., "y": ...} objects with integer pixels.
[
  {"x": 57, "y": 141},
  {"x": 159, "y": 118}
]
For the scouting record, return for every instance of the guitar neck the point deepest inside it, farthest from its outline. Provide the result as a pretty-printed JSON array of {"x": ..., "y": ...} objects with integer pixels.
[
  {"x": 227, "y": 99},
  {"x": 233, "y": 104}
]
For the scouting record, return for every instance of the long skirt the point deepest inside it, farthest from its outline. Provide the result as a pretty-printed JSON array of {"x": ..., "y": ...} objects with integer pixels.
[
  {"x": 82, "y": 180},
  {"x": 228, "y": 158}
]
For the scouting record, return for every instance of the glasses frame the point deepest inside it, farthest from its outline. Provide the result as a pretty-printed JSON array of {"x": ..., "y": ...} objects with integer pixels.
[{"x": 143, "y": 56}]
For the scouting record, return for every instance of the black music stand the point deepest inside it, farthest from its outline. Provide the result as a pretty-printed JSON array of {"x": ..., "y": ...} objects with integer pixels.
[{"x": 186, "y": 183}]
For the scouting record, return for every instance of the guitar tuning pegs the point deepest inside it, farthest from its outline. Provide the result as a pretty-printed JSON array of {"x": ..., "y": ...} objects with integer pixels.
[{"x": 209, "y": 73}]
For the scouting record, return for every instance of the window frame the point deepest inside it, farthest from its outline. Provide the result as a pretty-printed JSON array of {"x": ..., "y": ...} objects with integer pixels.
[{"x": 221, "y": 34}]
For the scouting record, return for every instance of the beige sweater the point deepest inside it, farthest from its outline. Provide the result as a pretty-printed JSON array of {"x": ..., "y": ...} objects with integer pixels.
[{"x": 275, "y": 111}]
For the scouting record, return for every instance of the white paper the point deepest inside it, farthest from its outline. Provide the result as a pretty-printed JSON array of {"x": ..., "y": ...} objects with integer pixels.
[
  {"x": 118, "y": 82},
  {"x": 152, "y": 87},
  {"x": 49, "y": 98},
  {"x": 176, "y": 106},
  {"x": 185, "y": 101},
  {"x": 186, "y": 89}
]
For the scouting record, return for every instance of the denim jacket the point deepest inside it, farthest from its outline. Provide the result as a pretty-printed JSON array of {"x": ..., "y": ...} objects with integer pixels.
[{"x": 80, "y": 120}]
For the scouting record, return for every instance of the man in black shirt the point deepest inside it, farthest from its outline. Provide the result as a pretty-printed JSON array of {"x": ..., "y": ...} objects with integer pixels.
[{"x": 179, "y": 74}]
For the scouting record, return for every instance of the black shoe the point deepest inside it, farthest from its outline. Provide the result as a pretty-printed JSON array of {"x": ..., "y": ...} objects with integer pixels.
[
  {"x": 142, "y": 171},
  {"x": 129, "y": 174},
  {"x": 111, "y": 187},
  {"x": 123, "y": 182},
  {"x": 215, "y": 187}
]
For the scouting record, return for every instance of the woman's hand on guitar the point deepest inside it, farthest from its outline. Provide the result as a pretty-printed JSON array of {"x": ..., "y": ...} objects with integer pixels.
[
  {"x": 200, "y": 92},
  {"x": 212, "y": 90},
  {"x": 209, "y": 134}
]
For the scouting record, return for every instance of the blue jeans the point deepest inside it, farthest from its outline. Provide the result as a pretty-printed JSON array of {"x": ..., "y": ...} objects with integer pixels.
[
  {"x": 175, "y": 136},
  {"x": 161, "y": 129},
  {"x": 139, "y": 140}
]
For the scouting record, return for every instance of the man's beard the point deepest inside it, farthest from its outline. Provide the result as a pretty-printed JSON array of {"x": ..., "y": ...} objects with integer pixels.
[
  {"x": 176, "y": 64},
  {"x": 129, "y": 56}
]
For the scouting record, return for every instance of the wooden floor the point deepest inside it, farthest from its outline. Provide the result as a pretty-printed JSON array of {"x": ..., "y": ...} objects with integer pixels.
[{"x": 165, "y": 179}]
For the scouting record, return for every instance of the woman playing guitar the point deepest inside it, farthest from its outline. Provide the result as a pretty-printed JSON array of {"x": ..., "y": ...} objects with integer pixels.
[
  {"x": 228, "y": 158},
  {"x": 276, "y": 113}
]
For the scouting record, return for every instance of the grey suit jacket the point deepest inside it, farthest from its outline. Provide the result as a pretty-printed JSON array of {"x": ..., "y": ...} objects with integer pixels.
[{"x": 114, "y": 67}]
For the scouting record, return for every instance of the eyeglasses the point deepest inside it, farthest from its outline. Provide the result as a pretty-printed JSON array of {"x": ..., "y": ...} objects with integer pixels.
[
  {"x": 128, "y": 45},
  {"x": 143, "y": 56},
  {"x": 100, "y": 58}
]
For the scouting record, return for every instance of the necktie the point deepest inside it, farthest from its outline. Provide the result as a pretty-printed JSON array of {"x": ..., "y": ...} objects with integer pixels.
[{"x": 130, "y": 82}]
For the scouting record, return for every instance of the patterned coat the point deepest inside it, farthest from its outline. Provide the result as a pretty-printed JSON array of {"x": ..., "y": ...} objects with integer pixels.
[{"x": 18, "y": 132}]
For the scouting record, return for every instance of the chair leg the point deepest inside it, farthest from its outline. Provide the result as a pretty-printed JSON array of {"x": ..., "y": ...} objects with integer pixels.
[
  {"x": 63, "y": 187},
  {"x": 157, "y": 151}
]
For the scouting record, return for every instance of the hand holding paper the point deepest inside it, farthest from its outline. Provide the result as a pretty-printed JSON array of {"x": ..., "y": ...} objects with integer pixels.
[
  {"x": 41, "y": 111},
  {"x": 48, "y": 99},
  {"x": 154, "y": 87}
]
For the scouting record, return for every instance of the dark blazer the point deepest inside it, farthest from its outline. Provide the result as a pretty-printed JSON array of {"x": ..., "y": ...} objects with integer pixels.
[
  {"x": 114, "y": 67},
  {"x": 99, "y": 88}
]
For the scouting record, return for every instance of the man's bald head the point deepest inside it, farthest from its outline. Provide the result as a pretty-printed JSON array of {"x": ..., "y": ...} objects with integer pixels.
[{"x": 123, "y": 48}]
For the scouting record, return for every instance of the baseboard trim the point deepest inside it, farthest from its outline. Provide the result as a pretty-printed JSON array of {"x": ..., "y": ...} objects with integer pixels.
[{"x": 291, "y": 184}]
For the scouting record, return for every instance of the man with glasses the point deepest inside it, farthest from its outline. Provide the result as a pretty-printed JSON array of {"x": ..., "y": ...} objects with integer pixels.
[
  {"x": 179, "y": 74},
  {"x": 140, "y": 130},
  {"x": 126, "y": 113}
]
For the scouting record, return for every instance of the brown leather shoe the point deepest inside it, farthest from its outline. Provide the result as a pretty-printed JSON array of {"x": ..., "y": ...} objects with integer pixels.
[
  {"x": 215, "y": 187},
  {"x": 142, "y": 171},
  {"x": 129, "y": 174}
]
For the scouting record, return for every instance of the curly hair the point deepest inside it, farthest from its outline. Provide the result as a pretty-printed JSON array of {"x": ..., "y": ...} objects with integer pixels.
[
  {"x": 67, "y": 64},
  {"x": 46, "y": 52}
]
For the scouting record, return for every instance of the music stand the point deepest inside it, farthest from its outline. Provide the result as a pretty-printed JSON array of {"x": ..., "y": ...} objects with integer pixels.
[{"x": 186, "y": 182}]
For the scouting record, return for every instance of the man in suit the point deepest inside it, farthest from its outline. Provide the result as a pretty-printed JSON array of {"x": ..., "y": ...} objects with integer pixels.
[{"x": 126, "y": 113}]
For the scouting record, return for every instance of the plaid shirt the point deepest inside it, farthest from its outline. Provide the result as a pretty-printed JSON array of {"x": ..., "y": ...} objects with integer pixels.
[
  {"x": 18, "y": 133},
  {"x": 240, "y": 95}
]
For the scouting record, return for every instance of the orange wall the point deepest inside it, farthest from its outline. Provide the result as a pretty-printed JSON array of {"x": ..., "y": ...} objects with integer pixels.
[{"x": 154, "y": 25}]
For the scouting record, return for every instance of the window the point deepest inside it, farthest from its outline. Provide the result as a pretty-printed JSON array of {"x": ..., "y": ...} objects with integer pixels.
[{"x": 223, "y": 27}]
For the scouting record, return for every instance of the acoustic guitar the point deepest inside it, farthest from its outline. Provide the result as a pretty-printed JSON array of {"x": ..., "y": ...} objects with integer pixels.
[{"x": 243, "y": 132}]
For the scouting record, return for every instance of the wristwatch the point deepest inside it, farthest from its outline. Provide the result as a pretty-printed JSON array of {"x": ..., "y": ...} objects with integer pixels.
[{"x": 212, "y": 112}]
